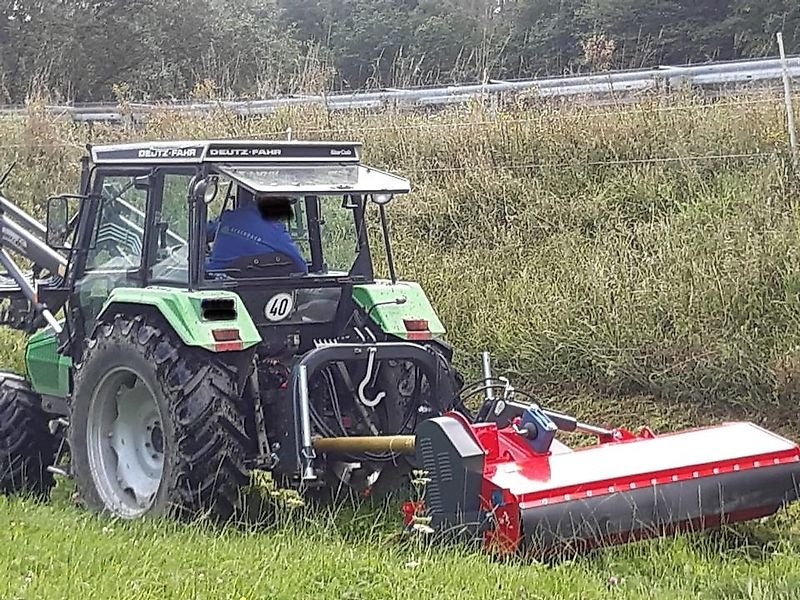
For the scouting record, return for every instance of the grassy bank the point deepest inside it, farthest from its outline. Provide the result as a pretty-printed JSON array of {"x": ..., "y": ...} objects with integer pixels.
[{"x": 648, "y": 249}]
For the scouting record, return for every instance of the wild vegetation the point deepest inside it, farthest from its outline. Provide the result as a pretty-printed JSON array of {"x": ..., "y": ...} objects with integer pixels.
[
  {"x": 640, "y": 249},
  {"x": 635, "y": 262}
]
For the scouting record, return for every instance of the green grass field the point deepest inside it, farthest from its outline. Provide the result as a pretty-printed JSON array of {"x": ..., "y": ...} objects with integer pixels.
[
  {"x": 633, "y": 264},
  {"x": 59, "y": 551}
]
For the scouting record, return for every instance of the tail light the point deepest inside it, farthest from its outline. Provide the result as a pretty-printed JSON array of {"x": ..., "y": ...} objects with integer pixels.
[
  {"x": 226, "y": 340},
  {"x": 417, "y": 329}
]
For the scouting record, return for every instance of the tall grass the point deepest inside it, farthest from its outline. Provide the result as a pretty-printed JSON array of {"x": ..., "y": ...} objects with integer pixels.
[{"x": 625, "y": 250}]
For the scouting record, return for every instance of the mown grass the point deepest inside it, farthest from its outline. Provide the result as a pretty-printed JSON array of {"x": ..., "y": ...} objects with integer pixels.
[
  {"x": 59, "y": 551},
  {"x": 634, "y": 264}
]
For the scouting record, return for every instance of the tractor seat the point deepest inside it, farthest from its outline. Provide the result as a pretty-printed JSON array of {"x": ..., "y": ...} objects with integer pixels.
[{"x": 271, "y": 264}]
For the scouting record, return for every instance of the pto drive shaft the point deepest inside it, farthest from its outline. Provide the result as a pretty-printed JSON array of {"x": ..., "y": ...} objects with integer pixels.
[{"x": 401, "y": 444}]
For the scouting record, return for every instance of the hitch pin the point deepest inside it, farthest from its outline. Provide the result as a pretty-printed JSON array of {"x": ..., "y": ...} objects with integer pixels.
[{"x": 51, "y": 320}]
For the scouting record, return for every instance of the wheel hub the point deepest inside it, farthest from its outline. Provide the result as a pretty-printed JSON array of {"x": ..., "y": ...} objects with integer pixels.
[
  {"x": 157, "y": 438},
  {"x": 125, "y": 443}
]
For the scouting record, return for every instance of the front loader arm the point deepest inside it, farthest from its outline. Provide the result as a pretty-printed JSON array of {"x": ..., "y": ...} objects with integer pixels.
[{"x": 21, "y": 234}]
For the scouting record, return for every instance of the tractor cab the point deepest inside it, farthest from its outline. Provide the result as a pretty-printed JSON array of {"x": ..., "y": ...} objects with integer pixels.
[{"x": 159, "y": 213}]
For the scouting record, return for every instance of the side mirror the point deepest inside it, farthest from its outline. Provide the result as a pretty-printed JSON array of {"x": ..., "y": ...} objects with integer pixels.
[
  {"x": 62, "y": 211},
  {"x": 205, "y": 189}
]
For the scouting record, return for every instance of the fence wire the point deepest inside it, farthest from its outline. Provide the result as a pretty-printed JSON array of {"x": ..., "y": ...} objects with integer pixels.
[
  {"x": 595, "y": 163},
  {"x": 547, "y": 115}
]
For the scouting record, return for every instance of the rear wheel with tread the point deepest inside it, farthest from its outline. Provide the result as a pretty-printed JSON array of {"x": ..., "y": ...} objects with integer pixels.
[{"x": 156, "y": 427}]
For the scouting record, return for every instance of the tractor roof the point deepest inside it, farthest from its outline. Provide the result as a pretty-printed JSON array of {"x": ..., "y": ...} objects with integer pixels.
[
  {"x": 265, "y": 167},
  {"x": 225, "y": 151}
]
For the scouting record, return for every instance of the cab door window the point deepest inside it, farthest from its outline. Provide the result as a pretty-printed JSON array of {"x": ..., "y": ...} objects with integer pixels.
[
  {"x": 171, "y": 262},
  {"x": 118, "y": 238},
  {"x": 114, "y": 258}
]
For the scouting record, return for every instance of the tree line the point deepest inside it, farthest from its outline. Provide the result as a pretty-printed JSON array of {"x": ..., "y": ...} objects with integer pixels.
[{"x": 93, "y": 50}]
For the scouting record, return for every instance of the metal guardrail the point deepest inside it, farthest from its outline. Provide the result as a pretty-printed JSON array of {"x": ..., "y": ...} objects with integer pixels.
[{"x": 723, "y": 75}]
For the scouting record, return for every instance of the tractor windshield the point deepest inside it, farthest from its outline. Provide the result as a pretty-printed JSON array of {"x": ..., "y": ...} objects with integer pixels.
[
  {"x": 337, "y": 230},
  {"x": 337, "y": 233},
  {"x": 319, "y": 234},
  {"x": 328, "y": 201}
]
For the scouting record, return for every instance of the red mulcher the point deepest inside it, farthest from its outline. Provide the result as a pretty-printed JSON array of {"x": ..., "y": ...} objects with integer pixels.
[{"x": 506, "y": 479}]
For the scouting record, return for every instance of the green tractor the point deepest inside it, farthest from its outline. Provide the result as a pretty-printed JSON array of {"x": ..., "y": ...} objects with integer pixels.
[{"x": 167, "y": 381}]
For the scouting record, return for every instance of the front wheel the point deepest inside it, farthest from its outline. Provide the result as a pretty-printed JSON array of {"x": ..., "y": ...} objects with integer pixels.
[{"x": 155, "y": 426}]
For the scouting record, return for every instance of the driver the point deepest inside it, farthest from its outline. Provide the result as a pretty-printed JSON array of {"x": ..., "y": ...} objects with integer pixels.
[{"x": 253, "y": 228}]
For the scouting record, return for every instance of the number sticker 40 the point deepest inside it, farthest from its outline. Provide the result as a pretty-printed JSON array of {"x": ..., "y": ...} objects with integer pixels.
[{"x": 279, "y": 307}]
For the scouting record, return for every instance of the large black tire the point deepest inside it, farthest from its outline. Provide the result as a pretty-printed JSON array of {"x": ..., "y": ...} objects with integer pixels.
[
  {"x": 27, "y": 447},
  {"x": 204, "y": 439}
]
